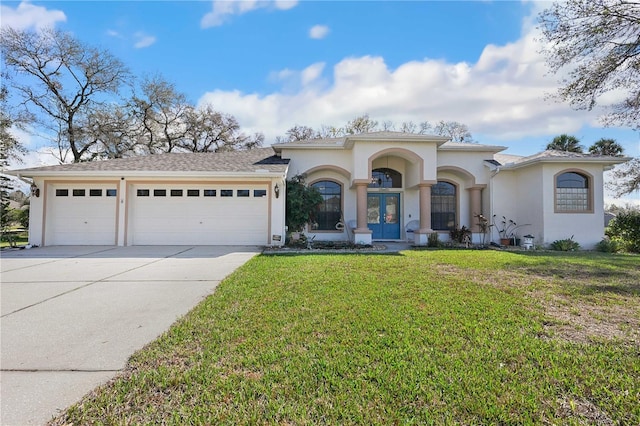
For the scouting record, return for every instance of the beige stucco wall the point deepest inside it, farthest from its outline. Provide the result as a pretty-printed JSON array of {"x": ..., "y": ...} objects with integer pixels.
[
  {"x": 416, "y": 162},
  {"x": 527, "y": 196},
  {"x": 586, "y": 228},
  {"x": 36, "y": 214}
]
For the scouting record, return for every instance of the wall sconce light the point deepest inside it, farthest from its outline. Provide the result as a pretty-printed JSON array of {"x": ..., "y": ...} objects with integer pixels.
[
  {"x": 35, "y": 191},
  {"x": 276, "y": 189}
]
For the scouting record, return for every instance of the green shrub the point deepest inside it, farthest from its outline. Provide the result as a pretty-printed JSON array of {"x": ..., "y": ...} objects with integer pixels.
[
  {"x": 625, "y": 229},
  {"x": 608, "y": 245},
  {"x": 433, "y": 240},
  {"x": 302, "y": 201},
  {"x": 565, "y": 245},
  {"x": 457, "y": 234}
]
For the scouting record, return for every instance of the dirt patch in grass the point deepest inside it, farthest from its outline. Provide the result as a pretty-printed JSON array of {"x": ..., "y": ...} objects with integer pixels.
[
  {"x": 572, "y": 304},
  {"x": 582, "y": 411},
  {"x": 582, "y": 322}
]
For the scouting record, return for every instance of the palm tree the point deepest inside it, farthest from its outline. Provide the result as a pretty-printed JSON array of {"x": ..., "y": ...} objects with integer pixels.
[
  {"x": 565, "y": 142},
  {"x": 608, "y": 147}
]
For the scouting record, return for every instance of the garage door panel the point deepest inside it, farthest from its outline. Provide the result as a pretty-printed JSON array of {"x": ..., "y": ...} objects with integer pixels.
[
  {"x": 81, "y": 219},
  {"x": 202, "y": 220}
]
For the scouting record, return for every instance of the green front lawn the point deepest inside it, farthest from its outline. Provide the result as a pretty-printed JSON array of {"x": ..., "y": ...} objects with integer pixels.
[{"x": 441, "y": 337}]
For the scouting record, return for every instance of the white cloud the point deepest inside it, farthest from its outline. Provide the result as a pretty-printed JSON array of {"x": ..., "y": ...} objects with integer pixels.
[
  {"x": 221, "y": 10},
  {"x": 285, "y": 4},
  {"x": 312, "y": 73},
  {"x": 501, "y": 96},
  {"x": 318, "y": 31},
  {"x": 27, "y": 16},
  {"x": 143, "y": 40}
]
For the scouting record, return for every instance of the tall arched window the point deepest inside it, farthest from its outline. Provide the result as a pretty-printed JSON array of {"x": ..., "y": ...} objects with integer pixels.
[
  {"x": 328, "y": 212},
  {"x": 573, "y": 192},
  {"x": 443, "y": 206}
]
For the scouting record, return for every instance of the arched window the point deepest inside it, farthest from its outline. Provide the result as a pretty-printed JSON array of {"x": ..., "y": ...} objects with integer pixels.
[
  {"x": 573, "y": 192},
  {"x": 385, "y": 178},
  {"x": 328, "y": 212},
  {"x": 443, "y": 206}
]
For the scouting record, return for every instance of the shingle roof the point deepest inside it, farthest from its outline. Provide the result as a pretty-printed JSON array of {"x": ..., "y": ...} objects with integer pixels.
[
  {"x": 254, "y": 160},
  {"x": 512, "y": 161}
]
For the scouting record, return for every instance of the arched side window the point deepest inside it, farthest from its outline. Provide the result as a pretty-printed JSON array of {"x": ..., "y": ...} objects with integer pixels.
[
  {"x": 573, "y": 192},
  {"x": 385, "y": 178},
  {"x": 443, "y": 206},
  {"x": 328, "y": 212}
]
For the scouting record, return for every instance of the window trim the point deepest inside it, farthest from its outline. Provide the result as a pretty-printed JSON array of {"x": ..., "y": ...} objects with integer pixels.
[
  {"x": 590, "y": 189},
  {"x": 342, "y": 196},
  {"x": 457, "y": 196}
]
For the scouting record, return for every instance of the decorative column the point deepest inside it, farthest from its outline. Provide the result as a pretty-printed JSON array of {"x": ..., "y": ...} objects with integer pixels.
[
  {"x": 362, "y": 234},
  {"x": 475, "y": 207},
  {"x": 422, "y": 234}
]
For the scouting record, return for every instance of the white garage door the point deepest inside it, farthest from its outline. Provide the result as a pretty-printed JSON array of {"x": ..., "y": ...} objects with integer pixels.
[
  {"x": 198, "y": 214},
  {"x": 81, "y": 214}
]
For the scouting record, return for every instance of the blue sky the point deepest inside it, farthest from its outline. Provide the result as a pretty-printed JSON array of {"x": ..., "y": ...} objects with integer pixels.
[{"x": 274, "y": 64}]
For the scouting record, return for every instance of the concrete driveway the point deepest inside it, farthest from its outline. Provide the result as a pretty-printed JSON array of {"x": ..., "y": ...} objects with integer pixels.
[{"x": 72, "y": 316}]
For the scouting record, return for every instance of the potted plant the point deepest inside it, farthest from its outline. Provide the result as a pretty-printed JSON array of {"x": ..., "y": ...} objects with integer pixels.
[{"x": 507, "y": 231}]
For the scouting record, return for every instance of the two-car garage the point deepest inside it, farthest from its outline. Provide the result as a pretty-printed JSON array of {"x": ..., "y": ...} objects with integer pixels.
[
  {"x": 213, "y": 213},
  {"x": 209, "y": 214},
  {"x": 212, "y": 198}
]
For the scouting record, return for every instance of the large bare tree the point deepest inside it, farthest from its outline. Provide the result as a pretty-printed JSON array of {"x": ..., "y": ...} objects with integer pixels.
[
  {"x": 458, "y": 132},
  {"x": 597, "y": 44},
  {"x": 61, "y": 80},
  {"x": 161, "y": 111},
  {"x": 207, "y": 130}
]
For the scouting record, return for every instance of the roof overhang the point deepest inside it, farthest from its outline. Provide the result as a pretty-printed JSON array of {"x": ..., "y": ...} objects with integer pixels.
[
  {"x": 347, "y": 142},
  {"x": 473, "y": 147},
  {"x": 279, "y": 147},
  {"x": 604, "y": 161},
  {"x": 263, "y": 174},
  {"x": 404, "y": 138}
]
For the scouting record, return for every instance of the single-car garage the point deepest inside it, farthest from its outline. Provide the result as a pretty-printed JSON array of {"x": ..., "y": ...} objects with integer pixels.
[
  {"x": 206, "y": 214},
  {"x": 81, "y": 213}
]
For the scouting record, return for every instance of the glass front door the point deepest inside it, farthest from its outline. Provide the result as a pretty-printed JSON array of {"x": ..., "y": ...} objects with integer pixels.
[{"x": 383, "y": 215}]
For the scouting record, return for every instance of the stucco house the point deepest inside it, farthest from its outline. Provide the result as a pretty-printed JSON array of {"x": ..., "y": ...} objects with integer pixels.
[{"x": 375, "y": 186}]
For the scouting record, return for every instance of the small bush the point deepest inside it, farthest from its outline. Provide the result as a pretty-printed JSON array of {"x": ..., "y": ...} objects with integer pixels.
[
  {"x": 457, "y": 234},
  {"x": 625, "y": 229},
  {"x": 565, "y": 245},
  {"x": 608, "y": 246},
  {"x": 433, "y": 240}
]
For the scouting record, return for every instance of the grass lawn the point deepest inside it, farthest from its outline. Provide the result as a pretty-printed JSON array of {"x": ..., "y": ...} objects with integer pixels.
[
  {"x": 420, "y": 337},
  {"x": 14, "y": 239}
]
